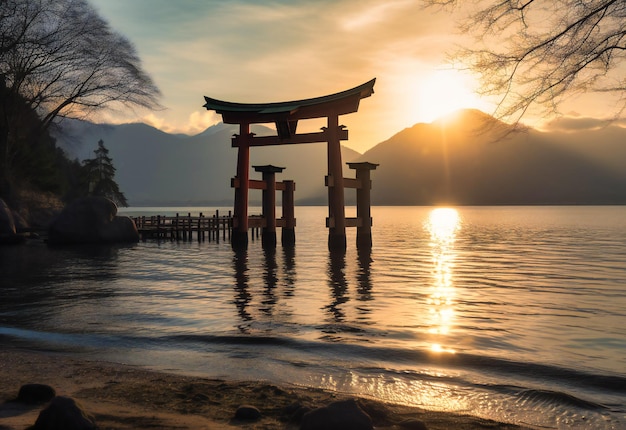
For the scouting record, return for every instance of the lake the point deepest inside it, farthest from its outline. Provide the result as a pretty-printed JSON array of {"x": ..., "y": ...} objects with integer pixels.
[{"x": 511, "y": 313}]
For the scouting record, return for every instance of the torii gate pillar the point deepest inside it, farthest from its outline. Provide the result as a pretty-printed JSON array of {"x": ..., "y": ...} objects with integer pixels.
[
  {"x": 363, "y": 203},
  {"x": 336, "y": 199},
  {"x": 268, "y": 236},
  {"x": 239, "y": 239}
]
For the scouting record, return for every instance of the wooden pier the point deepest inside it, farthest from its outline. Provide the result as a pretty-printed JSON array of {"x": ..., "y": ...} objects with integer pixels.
[{"x": 200, "y": 227}]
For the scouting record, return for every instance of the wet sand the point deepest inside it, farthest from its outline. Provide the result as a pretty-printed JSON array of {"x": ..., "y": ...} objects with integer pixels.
[{"x": 129, "y": 397}]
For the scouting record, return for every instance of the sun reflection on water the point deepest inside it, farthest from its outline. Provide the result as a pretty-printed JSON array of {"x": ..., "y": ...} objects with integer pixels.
[{"x": 442, "y": 224}]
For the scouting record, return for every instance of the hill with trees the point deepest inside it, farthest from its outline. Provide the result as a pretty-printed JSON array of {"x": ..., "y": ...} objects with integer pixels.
[
  {"x": 58, "y": 59},
  {"x": 155, "y": 168}
]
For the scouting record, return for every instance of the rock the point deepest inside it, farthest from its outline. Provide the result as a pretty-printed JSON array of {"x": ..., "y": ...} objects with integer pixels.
[
  {"x": 8, "y": 234},
  {"x": 247, "y": 413},
  {"x": 91, "y": 220},
  {"x": 20, "y": 223},
  {"x": 295, "y": 411},
  {"x": 120, "y": 229},
  {"x": 64, "y": 413},
  {"x": 35, "y": 393},
  {"x": 344, "y": 415},
  {"x": 413, "y": 425}
]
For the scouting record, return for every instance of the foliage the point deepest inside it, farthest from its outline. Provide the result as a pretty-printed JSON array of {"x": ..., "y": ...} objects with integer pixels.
[
  {"x": 59, "y": 59},
  {"x": 539, "y": 52},
  {"x": 63, "y": 58},
  {"x": 100, "y": 173}
]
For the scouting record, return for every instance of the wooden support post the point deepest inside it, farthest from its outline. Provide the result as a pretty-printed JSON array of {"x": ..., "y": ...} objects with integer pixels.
[
  {"x": 199, "y": 231},
  {"x": 176, "y": 226},
  {"x": 240, "y": 232},
  {"x": 268, "y": 236},
  {"x": 288, "y": 236},
  {"x": 363, "y": 203},
  {"x": 230, "y": 225},
  {"x": 224, "y": 225},
  {"x": 216, "y": 226},
  {"x": 189, "y": 226},
  {"x": 336, "y": 200}
]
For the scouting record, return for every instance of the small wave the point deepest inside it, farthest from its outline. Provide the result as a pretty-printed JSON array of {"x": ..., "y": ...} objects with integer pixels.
[
  {"x": 233, "y": 340},
  {"x": 547, "y": 399},
  {"x": 406, "y": 359}
]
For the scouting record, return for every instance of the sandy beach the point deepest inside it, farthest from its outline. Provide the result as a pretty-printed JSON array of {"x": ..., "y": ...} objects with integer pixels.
[{"x": 128, "y": 397}]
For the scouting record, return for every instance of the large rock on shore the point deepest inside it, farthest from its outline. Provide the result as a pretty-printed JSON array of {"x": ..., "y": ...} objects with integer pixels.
[
  {"x": 64, "y": 413},
  {"x": 91, "y": 220},
  {"x": 35, "y": 393},
  {"x": 8, "y": 233},
  {"x": 343, "y": 415}
]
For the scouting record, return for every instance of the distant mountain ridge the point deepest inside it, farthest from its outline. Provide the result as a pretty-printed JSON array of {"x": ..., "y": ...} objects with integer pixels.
[
  {"x": 469, "y": 158},
  {"x": 473, "y": 159},
  {"x": 154, "y": 168}
]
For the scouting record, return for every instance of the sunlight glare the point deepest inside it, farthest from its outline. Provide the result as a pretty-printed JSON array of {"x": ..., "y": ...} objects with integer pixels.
[
  {"x": 443, "y": 92},
  {"x": 438, "y": 348},
  {"x": 442, "y": 224}
]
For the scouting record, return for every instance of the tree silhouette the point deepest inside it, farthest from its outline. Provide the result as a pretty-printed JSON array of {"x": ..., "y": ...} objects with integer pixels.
[
  {"x": 100, "y": 175},
  {"x": 540, "y": 52},
  {"x": 60, "y": 59}
]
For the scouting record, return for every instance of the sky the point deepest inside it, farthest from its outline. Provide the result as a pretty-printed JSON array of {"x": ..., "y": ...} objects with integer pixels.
[{"x": 272, "y": 51}]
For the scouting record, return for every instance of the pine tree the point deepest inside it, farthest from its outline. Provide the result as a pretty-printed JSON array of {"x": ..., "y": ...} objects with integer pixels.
[{"x": 100, "y": 174}]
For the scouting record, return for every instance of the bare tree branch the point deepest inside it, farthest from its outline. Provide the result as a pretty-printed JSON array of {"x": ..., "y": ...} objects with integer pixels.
[
  {"x": 537, "y": 53},
  {"x": 63, "y": 57}
]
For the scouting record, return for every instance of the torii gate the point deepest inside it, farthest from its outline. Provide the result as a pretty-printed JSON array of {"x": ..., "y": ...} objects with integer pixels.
[{"x": 286, "y": 115}]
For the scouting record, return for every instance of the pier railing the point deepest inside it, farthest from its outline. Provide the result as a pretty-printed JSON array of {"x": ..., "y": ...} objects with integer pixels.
[
  {"x": 189, "y": 227},
  {"x": 185, "y": 227}
]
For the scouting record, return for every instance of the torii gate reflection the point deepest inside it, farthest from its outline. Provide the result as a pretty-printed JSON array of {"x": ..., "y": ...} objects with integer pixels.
[{"x": 285, "y": 116}]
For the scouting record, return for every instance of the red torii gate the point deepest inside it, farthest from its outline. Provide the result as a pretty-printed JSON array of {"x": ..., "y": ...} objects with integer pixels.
[{"x": 285, "y": 116}]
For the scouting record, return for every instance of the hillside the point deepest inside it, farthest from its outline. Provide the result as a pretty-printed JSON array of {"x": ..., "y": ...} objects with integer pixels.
[
  {"x": 159, "y": 169},
  {"x": 466, "y": 159},
  {"x": 472, "y": 159}
]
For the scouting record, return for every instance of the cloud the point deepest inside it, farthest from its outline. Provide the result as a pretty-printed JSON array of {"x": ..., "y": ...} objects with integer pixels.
[
  {"x": 276, "y": 50},
  {"x": 200, "y": 121},
  {"x": 570, "y": 124}
]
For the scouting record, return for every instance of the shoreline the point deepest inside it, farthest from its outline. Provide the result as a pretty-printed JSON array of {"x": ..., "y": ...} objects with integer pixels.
[{"x": 125, "y": 397}]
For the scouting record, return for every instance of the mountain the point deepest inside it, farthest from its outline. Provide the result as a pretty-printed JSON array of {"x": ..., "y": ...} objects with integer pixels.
[
  {"x": 154, "y": 168},
  {"x": 470, "y": 158}
]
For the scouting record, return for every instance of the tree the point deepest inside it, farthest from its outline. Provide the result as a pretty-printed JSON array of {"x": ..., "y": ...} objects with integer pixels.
[
  {"x": 60, "y": 59},
  {"x": 100, "y": 173},
  {"x": 534, "y": 53}
]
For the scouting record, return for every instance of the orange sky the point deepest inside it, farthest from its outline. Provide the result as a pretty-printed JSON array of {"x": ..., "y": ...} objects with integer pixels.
[{"x": 269, "y": 51}]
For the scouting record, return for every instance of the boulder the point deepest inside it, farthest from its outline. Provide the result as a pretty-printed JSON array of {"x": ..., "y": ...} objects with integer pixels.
[
  {"x": 91, "y": 220},
  {"x": 20, "y": 223},
  {"x": 64, "y": 413},
  {"x": 247, "y": 413},
  {"x": 8, "y": 234},
  {"x": 344, "y": 415},
  {"x": 35, "y": 393}
]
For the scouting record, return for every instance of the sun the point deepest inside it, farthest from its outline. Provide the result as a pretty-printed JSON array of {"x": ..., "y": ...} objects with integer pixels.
[{"x": 445, "y": 91}]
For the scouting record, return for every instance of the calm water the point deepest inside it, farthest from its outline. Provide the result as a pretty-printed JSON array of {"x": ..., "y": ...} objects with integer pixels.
[{"x": 512, "y": 313}]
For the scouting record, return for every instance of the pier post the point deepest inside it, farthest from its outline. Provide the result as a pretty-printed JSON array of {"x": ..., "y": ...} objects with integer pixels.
[
  {"x": 239, "y": 238},
  {"x": 288, "y": 232},
  {"x": 363, "y": 203},
  {"x": 268, "y": 235},
  {"x": 336, "y": 200}
]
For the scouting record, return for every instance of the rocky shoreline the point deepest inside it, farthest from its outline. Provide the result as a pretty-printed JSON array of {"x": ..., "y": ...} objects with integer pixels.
[{"x": 118, "y": 396}]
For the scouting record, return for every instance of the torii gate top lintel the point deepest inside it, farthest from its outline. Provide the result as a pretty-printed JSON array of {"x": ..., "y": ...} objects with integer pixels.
[
  {"x": 286, "y": 115},
  {"x": 341, "y": 103}
]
